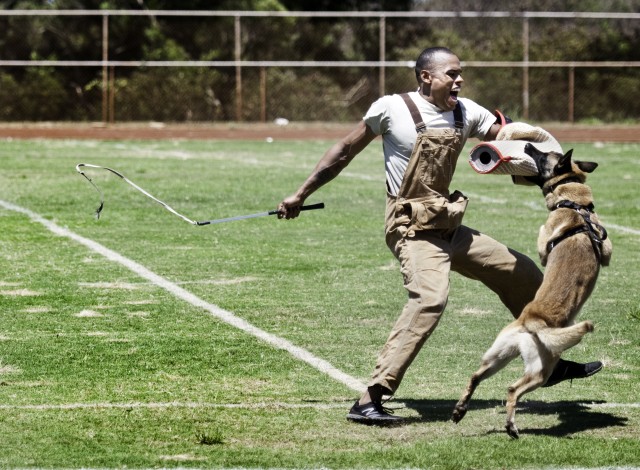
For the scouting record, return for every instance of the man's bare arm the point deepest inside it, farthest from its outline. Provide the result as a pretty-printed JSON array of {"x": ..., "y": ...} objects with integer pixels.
[
  {"x": 493, "y": 132},
  {"x": 329, "y": 166}
]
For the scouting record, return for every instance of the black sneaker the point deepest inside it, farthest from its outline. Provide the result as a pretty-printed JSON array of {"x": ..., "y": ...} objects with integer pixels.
[
  {"x": 568, "y": 370},
  {"x": 374, "y": 414}
]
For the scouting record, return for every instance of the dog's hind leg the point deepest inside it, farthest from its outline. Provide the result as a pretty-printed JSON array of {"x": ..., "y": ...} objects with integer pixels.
[
  {"x": 503, "y": 350},
  {"x": 539, "y": 362},
  {"x": 526, "y": 384},
  {"x": 540, "y": 353}
]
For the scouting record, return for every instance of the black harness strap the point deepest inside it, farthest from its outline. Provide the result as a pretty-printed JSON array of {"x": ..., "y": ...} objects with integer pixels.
[
  {"x": 569, "y": 233},
  {"x": 597, "y": 233},
  {"x": 566, "y": 204}
]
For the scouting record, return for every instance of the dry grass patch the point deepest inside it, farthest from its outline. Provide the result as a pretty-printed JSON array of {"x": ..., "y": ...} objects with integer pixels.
[
  {"x": 140, "y": 302},
  {"x": 110, "y": 285},
  {"x": 182, "y": 458},
  {"x": 20, "y": 293},
  {"x": 36, "y": 310},
  {"x": 88, "y": 314},
  {"x": 138, "y": 314},
  {"x": 475, "y": 312},
  {"x": 9, "y": 369}
]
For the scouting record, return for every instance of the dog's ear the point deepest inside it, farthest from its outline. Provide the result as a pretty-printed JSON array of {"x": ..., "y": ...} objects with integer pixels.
[
  {"x": 564, "y": 163},
  {"x": 531, "y": 150},
  {"x": 587, "y": 167}
]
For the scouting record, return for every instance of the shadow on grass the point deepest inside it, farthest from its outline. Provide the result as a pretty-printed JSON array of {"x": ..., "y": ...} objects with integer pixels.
[{"x": 573, "y": 416}]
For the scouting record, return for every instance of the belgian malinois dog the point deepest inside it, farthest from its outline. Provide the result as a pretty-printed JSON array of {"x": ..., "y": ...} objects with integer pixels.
[{"x": 572, "y": 244}]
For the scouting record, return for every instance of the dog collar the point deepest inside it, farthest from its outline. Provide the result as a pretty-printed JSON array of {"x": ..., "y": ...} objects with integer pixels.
[{"x": 552, "y": 187}]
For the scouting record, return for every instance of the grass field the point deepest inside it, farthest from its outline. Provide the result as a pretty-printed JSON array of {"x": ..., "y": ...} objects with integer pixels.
[{"x": 113, "y": 352}]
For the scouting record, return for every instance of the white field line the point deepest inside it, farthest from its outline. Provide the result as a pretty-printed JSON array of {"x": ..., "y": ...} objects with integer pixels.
[
  {"x": 227, "y": 317},
  {"x": 621, "y": 228},
  {"x": 173, "y": 404},
  {"x": 273, "y": 405}
]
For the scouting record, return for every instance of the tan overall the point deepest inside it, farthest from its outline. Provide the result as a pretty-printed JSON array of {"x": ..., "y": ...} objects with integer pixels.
[{"x": 424, "y": 232}]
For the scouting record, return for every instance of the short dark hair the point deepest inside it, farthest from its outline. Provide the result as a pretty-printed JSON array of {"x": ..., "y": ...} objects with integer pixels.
[{"x": 425, "y": 59}]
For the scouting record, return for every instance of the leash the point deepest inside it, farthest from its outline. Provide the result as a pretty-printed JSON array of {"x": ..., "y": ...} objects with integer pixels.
[
  {"x": 128, "y": 181},
  {"x": 79, "y": 167},
  {"x": 597, "y": 233}
]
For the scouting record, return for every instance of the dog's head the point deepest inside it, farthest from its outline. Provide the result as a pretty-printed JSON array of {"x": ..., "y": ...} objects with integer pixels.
[{"x": 554, "y": 167}]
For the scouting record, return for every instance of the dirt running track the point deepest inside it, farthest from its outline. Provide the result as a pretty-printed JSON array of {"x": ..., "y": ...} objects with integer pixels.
[{"x": 261, "y": 131}]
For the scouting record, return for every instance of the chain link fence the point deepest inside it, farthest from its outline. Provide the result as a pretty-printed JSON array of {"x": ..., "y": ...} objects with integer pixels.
[{"x": 189, "y": 66}]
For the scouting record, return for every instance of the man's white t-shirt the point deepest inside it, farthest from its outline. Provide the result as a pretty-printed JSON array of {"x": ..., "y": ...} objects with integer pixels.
[{"x": 390, "y": 117}]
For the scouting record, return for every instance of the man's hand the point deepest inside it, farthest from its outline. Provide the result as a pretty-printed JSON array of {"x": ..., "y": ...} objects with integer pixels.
[{"x": 289, "y": 208}]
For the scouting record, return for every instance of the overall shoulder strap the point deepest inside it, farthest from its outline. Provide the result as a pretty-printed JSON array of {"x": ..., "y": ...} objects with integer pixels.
[
  {"x": 417, "y": 118},
  {"x": 415, "y": 113},
  {"x": 457, "y": 116}
]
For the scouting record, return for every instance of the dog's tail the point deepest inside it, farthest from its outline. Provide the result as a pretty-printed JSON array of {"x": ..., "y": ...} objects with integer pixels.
[{"x": 558, "y": 340}]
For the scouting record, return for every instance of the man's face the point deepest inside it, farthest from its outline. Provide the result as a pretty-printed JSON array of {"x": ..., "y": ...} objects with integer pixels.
[{"x": 443, "y": 82}]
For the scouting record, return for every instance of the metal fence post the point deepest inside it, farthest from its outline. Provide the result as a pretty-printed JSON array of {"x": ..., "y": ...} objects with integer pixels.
[
  {"x": 238, "y": 55},
  {"x": 525, "y": 68},
  {"x": 263, "y": 94},
  {"x": 112, "y": 94},
  {"x": 383, "y": 54},
  {"x": 105, "y": 74},
  {"x": 572, "y": 88}
]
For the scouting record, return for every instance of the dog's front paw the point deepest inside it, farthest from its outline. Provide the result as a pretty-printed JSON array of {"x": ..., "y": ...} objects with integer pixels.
[{"x": 588, "y": 326}]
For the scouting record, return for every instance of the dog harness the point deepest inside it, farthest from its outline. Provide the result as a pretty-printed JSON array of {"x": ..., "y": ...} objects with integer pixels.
[{"x": 597, "y": 233}]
